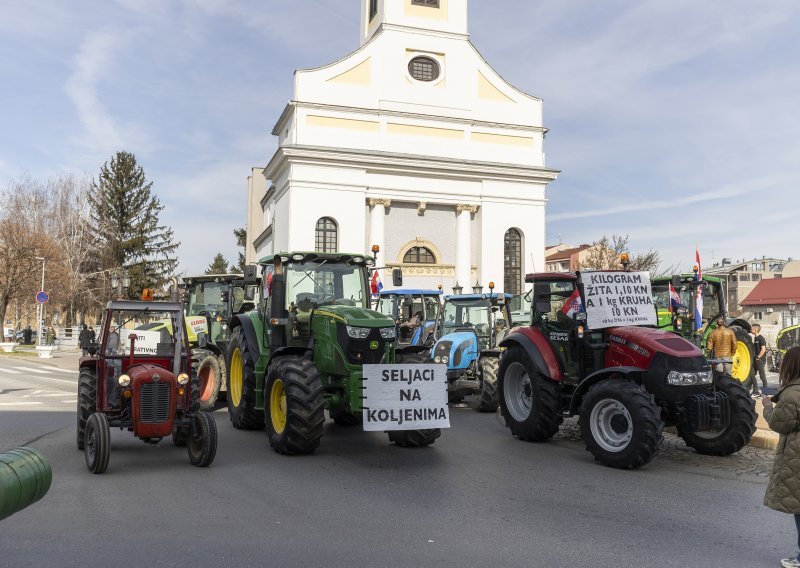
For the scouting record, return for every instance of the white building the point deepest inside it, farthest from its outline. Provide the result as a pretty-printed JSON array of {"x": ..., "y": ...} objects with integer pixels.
[{"x": 414, "y": 143}]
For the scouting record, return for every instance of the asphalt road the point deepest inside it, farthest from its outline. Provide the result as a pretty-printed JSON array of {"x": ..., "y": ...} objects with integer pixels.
[{"x": 477, "y": 497}]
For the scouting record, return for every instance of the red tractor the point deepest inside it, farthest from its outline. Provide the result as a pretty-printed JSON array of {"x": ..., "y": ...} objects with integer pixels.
[
  {"x": 625, "y": 382},
  {"x": 138, "y": 378}
]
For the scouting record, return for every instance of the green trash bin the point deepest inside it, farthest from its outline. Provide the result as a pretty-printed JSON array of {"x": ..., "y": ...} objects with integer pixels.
[{"x": 25, "y": 477}]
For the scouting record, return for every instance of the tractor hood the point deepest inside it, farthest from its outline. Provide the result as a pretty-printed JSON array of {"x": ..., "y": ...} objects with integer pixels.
[
  {"x": 355, "y": 316},
  {"x": 457, "y": 350},
  {"x": 637, "y": 345}
]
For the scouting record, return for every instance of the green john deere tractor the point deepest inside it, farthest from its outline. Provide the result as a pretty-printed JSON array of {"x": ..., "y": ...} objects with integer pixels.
[
  {"x": 714, "y": 305},
  {"x": 302, "y": 351}
]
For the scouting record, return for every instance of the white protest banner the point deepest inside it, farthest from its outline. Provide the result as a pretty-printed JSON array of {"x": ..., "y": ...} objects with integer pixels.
[
  {"x": 405, "y": 397},
  {"x": 146, "y": 341},
  {"x": 618, "y": 298}
]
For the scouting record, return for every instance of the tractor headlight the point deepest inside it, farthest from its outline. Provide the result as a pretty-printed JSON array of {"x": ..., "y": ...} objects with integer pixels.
[
  {"x": 437, "y": 359},
  {"x": 387, "y": 332},
  {"x": 124, "y": 380},
  {"x": 678, "y": 378},
  {"x": 358, "y": 332},
  {"x": 183, "y": 378},
  {"x": 445, "y": 359}
]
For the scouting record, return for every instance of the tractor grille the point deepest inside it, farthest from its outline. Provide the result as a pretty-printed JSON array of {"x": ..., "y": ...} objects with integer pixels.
[{"x": 154, "y": 402}]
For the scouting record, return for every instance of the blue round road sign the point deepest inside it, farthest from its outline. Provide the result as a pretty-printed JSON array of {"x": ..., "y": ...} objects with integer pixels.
[{"x": 42, "y": 297}]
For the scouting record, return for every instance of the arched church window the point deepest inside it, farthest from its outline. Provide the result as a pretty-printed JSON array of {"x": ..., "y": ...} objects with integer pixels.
[
  {"x": 419, "y": 255},
  {"x": 423, "y": 69},
  {"x": 430, "y": 3},
  {"x": 326, "y": 235},
  {"x": 512, "y": 262}
]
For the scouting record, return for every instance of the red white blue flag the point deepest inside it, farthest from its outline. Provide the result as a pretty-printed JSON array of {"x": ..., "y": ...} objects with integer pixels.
[
  {"x": 698, "y": 307},
  {"x": 376, "y": 285},
  {"x": 699, "y": 266},
  {"x": 674, "y": 298},
  {"x": 573, "y": 305}
]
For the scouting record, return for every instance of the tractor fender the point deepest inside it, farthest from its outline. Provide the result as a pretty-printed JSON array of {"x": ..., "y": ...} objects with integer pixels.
[
  {"x": 627, "y": 372},
  {"x": 489, "y": 353},
  {"x": 744, "y": 324},
  {"x": 411, "y": 349},
  {"x": 538, "y": 350},
  {"x": 250, "y": 334},
  {"x": 87, "y": 362},
  {"x": 292, "y": 350}
]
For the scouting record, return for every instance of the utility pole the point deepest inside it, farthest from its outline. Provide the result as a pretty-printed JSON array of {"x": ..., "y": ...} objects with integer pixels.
[{"x": 40, "y": 310}]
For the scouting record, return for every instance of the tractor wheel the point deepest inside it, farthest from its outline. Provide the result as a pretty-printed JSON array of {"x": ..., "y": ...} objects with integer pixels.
[
  {"x": 344, "y": 418},
  {"x": 87, "y": 401},
  {"x": 414, "y": 438},
  {"x": 223, "y": 383},
  {"x": 209, "y": 374},
  {"x": 738, "y": 433},
  {"x": 487, "y": 395},
  {"x": 97, "y": 448},
  {"x": 180, "y": 436},
  {"x": 454, "y": 396},
  {"x": 528, "y": 401},
  {"x": 202, "y": 441},
  {"x": 293, "y": 405},
  {"x": 242, "y": 385},
  {"x": 413, "y": 359},
  {"x": 621, "y": 423},
  {"x": 743, "y": 367}
]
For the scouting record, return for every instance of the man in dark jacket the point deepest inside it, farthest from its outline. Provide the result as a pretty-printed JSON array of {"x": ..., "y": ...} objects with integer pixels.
[{"x": 84, "y": 339}]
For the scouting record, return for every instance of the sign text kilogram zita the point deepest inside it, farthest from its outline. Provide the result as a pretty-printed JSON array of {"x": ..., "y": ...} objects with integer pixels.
[
  {"x": 618, "y": 298},
  {"x": 405, "y": 397}
]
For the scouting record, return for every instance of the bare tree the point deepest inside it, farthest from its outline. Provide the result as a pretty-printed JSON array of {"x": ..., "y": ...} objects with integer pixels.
[{"x": 605, "y": 254}]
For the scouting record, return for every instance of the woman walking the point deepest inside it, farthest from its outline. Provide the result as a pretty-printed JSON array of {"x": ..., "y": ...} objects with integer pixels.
[{"x": 783, "y": 491}]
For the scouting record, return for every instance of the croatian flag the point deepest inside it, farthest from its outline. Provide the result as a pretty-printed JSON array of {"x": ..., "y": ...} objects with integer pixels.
[
  {"x": 699, "y": 266},
  {"x": 376, "y": 285},
  {"x": 698, "y": 307},
  {"x": 573, "y": 305},
  {"x": 674, "y": 298}
]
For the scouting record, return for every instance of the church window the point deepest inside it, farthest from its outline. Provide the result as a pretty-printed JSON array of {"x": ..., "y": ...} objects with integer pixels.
[
  {"x": 423, "y": 69},
  {"x": 419, "y": 255},
  {"x": 430, "y": 3},
  {"x": 512, "y": 262},
  {"x": 326, "y": 235},
  {"x": 373, "y": 9}
]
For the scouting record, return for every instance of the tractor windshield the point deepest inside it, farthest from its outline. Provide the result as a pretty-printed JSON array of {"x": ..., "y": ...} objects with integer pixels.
[
  {"x": 206, "y": 298},
  {"x": 149, "y": 331},
  {"x": 468, "y": 315},
  {"x": 313, "y": 284}
]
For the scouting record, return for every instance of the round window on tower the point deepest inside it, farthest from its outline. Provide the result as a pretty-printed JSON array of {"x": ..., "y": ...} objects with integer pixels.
[{"x": 424, "y": 69}]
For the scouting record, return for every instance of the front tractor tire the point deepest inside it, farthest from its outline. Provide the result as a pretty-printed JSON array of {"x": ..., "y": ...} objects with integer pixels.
[
  {"x": 209, "y": 374},
  {"x": 242, "y": 384},
  {"x": 620, "y": 423},
  {"x": 743, "y": 367},
  {"x": 528, "y": 401},
  {"x": 738, "y": 432},
  {"x": 486, "y": 398},
  {"x": 414, "y": 438},
  {"x": 97, "y": 448},
  {"x": 293, "y": 405},
  {"x": 202, "y": 440},
  {"x": 87, "y": 401}
]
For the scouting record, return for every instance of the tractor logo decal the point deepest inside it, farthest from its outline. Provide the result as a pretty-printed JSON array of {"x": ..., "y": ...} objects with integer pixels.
[
  {"x": 373, "y": 344},
  {"x": 622, "y": 341}
]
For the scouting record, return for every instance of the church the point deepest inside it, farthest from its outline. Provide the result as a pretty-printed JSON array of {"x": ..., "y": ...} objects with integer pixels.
[{"x": 412, "y": 143}]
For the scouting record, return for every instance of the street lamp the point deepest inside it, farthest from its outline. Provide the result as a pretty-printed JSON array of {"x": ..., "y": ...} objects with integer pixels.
[
  {"x": 477, "y": 289},
  {"x": 457, "y": 289},
  {"x": 792, "y": 305},
  {"x": 120, "y": 283},
  {"x": 40, "y": 310}
]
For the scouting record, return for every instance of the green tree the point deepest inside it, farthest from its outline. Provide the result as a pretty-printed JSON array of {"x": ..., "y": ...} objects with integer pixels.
[
  {"x": 241, "y": 241},
  {"x": 125, "y": 219},
  {"x": 218, "y": 266}
]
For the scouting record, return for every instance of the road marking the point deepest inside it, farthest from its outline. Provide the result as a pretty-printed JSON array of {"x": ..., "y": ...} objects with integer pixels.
[
  {"x": 56, "y": 380},
  {"x": 41, "y": 395},
  {"x": 19, "y": 403},
  {"x": 73, "y": 401},
  {"x": 12, "y": 371},
  {"x": 70, "y": 371},
  {"x": 31, "y": 370}
]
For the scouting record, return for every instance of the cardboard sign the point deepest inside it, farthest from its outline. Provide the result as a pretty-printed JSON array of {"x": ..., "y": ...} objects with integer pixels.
[
  {"x": 405, "y": 397},
  {"x": 146, "y": 342},
  {"x": 618, "y": 298}
]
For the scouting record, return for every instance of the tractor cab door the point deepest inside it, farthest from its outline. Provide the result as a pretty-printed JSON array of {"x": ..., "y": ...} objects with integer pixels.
[{"x": 552, "y": 315}]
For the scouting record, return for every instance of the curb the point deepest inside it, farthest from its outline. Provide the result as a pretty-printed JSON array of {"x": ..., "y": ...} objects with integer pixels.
[{"x": 764, "y": 437}]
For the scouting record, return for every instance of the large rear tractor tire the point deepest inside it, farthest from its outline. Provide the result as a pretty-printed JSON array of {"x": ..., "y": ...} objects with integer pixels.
[
  {"x": 528, "y": 401},
  {"x": 87, "y": 401},
  {"x": 202, "y": 442},
  {"x": 486, "y": 398},
  {"x": 740, "y": 430},
  {"x": 242, "y": 385},
  {"x": 744, "y": 368},
  {"x": 97, "y": 449},
  {"x": 621, "y": 423},
  {"x": 293, "y": 405},
  {"x": 414, "y": 438},
  {"x": 209, "y": 374}
]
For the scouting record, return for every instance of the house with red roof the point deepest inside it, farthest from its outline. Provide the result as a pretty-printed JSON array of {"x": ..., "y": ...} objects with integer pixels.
[{"x": 773, "y": 303}]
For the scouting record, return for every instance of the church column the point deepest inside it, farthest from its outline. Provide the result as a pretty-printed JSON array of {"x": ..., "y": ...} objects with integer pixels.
[
  {"x": 377, "y": 222},
  {"x": 464, "y": 245}
]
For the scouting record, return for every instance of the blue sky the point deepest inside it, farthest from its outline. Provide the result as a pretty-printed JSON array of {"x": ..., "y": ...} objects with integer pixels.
[{"x": 673, "y": 122}]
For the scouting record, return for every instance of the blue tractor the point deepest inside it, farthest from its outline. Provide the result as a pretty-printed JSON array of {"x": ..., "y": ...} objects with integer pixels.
[
  {"x": 470, "y": 329},
  {"x": 415, "y": 313}
]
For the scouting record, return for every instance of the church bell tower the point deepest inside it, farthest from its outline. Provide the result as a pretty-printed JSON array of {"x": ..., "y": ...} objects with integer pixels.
[{"x": 446, "y": 16}]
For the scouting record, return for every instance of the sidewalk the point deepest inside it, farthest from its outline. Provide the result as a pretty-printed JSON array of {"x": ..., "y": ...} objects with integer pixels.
[{"x": 66, "y": 359}]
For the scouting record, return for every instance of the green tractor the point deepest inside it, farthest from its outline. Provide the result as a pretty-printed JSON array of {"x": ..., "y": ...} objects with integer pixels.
[
  {"x": 302, "y": 351},
  {"x": 714, "y": 305},
  {"x": 210, "y": 301}
]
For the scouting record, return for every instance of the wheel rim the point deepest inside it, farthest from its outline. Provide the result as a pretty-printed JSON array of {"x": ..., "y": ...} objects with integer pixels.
[
  {"x": 741, "y": 362},
  {"x": 709, "y": 434},
  {"x": 611, "y": 424},
  {"x": 207, "y": 379},
  {"x": 518, "y": 392},
  {"x": 235, "y": 378},
  {"x": 91, "y": 443},
  {"x": 277, "y": 406}
]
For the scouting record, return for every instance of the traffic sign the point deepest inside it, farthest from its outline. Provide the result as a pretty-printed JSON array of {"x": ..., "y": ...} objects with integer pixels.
[{"x": 42, "y": 297}]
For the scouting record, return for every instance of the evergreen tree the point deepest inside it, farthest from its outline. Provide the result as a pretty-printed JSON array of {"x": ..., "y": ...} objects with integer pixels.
[
  {"x": 241, "y": 241},
  {"x": 125, "y": 219},
  {"x": 218, "y": 266}
]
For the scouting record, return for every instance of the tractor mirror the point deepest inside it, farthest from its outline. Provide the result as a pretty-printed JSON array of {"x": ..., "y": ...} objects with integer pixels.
[
  {"x": 251, "y": 274},
  {"x": 676, "y": 281},
  {"x": 397, "y": 277}
]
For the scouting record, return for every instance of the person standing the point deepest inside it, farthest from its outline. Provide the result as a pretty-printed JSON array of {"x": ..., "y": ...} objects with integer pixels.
[
  {"x": 783, "y": 490},
  {"x": 27, "y": 335},
  {"x": 84, "y": 340},
  {"x": 760, "y": 350},
  {"x": 722, "y": 343}
]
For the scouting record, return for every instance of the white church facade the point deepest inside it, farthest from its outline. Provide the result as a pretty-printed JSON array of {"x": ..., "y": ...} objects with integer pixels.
[{"x": 414, "y": 143}]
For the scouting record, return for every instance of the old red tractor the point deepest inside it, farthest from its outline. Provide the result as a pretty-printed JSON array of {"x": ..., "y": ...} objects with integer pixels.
[
  {"x": 139, "y": 378},
  {"x": 625, "y": 382}
]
